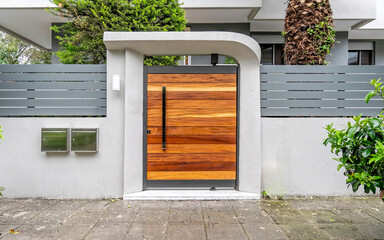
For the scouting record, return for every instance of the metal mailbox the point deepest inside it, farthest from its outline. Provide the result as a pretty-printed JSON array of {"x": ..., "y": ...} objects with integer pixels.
[
  {"x": 54, "y": 140},
  {"x": 85, "y": 139}
]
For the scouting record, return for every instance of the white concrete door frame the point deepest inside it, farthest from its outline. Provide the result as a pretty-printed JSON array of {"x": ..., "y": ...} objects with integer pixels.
[{"x": 126, "y": 51}]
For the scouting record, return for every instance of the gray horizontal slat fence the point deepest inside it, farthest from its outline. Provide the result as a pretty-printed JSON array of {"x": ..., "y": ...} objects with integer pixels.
[
  {"x": 318, "y": 91},
  {"x": 53, "y": 90}
]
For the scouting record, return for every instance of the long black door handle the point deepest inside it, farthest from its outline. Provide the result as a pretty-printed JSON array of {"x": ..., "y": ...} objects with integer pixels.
[{"x": 164, "y": 119}]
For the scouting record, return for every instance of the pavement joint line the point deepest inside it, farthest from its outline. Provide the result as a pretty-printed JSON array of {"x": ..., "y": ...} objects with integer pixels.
[
  {"x": 237, "y": 217},
  {"x": 94, "y": 225},
  {"x": 202, "y": 214},
  {"x": 372, "y": 216},
  {"x": 169, "y": 218},
  {"x": 131, "y": 224}
]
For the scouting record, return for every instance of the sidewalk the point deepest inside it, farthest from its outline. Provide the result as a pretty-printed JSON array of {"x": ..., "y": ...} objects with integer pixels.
[{"x": 331, "y": 218}]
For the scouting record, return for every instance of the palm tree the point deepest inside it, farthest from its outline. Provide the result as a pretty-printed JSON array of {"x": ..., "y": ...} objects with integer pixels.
[{"x": 308, "y": 32}]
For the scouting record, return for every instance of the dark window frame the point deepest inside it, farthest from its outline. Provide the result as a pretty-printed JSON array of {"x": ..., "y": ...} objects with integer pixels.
[
  {"x": 273, "y": 45},
  {"x": 359, "y": 57}
]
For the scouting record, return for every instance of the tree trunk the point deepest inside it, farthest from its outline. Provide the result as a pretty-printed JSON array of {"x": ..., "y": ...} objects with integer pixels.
[{"x": 307, "y": 26}]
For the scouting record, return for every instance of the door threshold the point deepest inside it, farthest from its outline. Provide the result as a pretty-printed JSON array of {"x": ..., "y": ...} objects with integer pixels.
[{"x": 191, "y": 195}]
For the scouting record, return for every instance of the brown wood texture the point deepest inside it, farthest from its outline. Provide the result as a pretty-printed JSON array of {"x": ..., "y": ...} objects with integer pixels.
[
  {"x": 192, "y": 148},
  {"x": 192, "y": 78},
  {"x": 185, "y": 139},
  {"x": 193, "y": 104},
  {"x": 201, "y": 127},
  {"x": 193, "y": 113},
  {"x": 192, "y": 162},
  {"x": 187, "y": 131},
  {"x": 184, "y": 95},
  {"x": 191, "y": 175},
  {"x": 194, "y": 122},
  {"x": 182, "y": 164},
  {"x": 191, "y": 87}
]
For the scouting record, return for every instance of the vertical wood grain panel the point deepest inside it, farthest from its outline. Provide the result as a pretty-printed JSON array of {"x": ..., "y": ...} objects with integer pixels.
[{"x": 201, "y": 127}]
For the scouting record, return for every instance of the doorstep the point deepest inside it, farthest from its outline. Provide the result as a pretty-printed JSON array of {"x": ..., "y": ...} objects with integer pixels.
[{"x": 191, "y": 195}]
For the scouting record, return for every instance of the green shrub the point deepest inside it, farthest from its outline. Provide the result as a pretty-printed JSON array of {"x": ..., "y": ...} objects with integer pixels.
[
  {"x": 81, "y": 39},
  {"x": 360, "y": 148}
]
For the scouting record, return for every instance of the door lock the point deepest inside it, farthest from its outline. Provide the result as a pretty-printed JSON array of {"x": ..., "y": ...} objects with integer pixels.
[{"x": 148, "y": 131}]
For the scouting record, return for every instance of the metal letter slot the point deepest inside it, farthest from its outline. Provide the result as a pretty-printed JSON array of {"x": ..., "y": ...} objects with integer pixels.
[{"x": 164, "y": 120}]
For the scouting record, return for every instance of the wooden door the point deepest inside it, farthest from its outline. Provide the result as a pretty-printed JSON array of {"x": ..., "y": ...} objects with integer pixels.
[{"x": 191, "y": 126}]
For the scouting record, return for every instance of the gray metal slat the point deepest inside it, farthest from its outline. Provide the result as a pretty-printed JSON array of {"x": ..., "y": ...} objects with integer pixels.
[
  {"x": 53, "y": 77},
  {"x": 312, "y": 94},
  {"x": 52, "y": 112},
  {"x": 320, "y": 69},
  {"x": 318, "y": 112},
  {"x": 59, "y": 68},
  {"x": 316, "y": 86},
  {"x": 53, "y": 102},
  {"x": 53, "y": 85},
  {"x": 53, "y": 94},
  {"x": 320, "y": 77},
  {"x": 321, "y": 103}
]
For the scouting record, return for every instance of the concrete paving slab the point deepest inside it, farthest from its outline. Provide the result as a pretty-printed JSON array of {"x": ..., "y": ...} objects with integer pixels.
[
  {"x": 84, "y": 217},
  {"x": 356, "y": 216},
  {"x": 150, "y": 205},
  {"x": 264, "y": 231},
  {"x": 375, "y": 213},
  {"x": 146, "y": 216},
  {"x": 250, "y": 205},
  {"x": 375, "y": 230},
  {"x": 51, "y": 217},
  {"x": 179, "y": 216},
  {"x": 342, "y": 231},
  {"x": 29, "y": 232},
  {"x": 124, "y": 206},
  {"x": 303, "y": 231},
  {"x": 64, "y": 232},
  {"x": 9, "y": 204},
  {"x": 4, "y": 229},
  {"x": 222, "y": 205},
  {"x": 250, "y": 216},
  {"x": 147, "y": 231},
  {"x": 108, "y": 231},
  {"x": 191, "y": 205},
  {"x": 117, "y": 217},
  {"x": 186, "y": 232},
  {"x": 17, "y": 217},
  {"x": 220, "y": 216},
  {"x": 225, "y": 231},
  {"x": 320, "y": 216},
  {"x": 68, "y": 205},
  {"x": 35, "y": 205},
  {"x": 236, "y": 219}
]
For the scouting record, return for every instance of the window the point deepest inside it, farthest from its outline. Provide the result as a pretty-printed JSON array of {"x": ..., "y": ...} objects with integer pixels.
[
  {"x": 360, "y": 57},
  {"x": 272, "y": 54}
]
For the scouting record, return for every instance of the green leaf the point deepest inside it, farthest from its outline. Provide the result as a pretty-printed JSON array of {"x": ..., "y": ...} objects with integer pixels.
[
  {"x": 339, "y": 166},
  {"x": 351, "y": 131},
  {"x": 369, "y": 96},
  {"x": 375, "y": 122},
  {"x": 366, "y": 152}
]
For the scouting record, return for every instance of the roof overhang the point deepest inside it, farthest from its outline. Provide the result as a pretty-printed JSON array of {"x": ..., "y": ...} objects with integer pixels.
[
  {"x": 30, "y": 21},
  {"x": 348, "y": 15}
]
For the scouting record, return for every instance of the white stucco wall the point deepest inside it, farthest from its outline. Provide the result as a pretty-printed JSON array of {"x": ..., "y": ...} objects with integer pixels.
[
  {"x": 295, "y": 161},
  {"x": 25, "y": 171}
]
